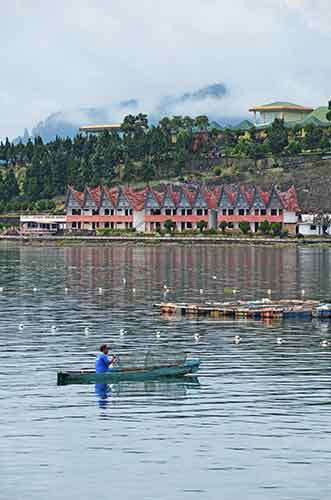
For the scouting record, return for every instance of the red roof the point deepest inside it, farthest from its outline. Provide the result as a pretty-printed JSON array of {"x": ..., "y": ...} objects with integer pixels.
[
  {"x": 212, "y": 196},
  {"x": 289, "y": 199}
]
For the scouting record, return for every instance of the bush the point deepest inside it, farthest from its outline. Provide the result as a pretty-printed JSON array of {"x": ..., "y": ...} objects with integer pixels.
[
  {"x": 202, "y": 225},
  {"x": 169, "y": 226},
  {"x": 265, "y": 227},
  {"x": 294, "y": 148},
  {"x": 276, "y": 228},
  {"x": 217, "y": 170},
  {"x": 244, "y": 227},
  {"x": 223, "y": 225}
]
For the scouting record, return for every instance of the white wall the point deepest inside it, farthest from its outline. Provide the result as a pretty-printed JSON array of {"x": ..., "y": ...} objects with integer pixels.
[
  {"x": 139, "y": 220},
  {"x": 290, "y": 217},
  {"x": 306, "y": 230}
]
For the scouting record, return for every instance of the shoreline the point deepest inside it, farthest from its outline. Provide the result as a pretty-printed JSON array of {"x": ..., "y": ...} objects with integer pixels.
[{"x": 169, "y": 240}]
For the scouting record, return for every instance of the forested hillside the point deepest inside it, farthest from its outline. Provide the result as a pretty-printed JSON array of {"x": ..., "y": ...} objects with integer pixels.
[{"x": 177, "y": 147}]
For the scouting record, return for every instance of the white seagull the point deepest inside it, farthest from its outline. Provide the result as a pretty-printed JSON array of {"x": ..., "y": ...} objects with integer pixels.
[
  {"x": 325, "y": 343},
  {"x": 237, "y": 339},
  {"x": 280, "y": 341}
]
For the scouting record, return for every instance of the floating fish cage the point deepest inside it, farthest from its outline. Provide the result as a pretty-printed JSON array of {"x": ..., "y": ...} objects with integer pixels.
[{"x": 264, "y": 309}]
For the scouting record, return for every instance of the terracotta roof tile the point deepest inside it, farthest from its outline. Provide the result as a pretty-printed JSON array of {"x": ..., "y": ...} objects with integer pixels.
[{"x": 212, "y": 196}]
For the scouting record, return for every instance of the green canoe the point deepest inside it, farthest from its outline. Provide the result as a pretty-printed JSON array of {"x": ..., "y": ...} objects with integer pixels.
[{"x": 118, "y": 374}]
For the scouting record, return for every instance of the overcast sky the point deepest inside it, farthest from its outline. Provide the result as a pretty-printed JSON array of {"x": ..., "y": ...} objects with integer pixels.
[{"x": 64, "y": 54}]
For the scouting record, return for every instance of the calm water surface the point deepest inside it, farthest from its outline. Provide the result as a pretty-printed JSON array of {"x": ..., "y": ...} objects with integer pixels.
[{"x": 256, "y": 424}]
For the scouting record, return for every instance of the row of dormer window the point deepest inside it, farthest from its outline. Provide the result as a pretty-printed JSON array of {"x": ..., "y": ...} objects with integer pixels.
[
  {"x": 183, "y": 211},
  {"x": 106, "y": 211},
  {"x": 256, "y": 211}
]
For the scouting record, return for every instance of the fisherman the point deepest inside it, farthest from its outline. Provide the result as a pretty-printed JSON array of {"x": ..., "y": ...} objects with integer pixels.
[{"x": 102, "y": 362}]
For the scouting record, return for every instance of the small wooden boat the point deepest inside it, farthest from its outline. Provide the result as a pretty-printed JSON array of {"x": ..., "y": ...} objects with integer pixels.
[{"x": 118, "y": 374}]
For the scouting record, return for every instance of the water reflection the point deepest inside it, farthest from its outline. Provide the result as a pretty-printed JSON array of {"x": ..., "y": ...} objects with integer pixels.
[
  {"x": 103, "y": 392},
  {"x": 260, "y": 408},
  {"x": 164, "y": 387}
]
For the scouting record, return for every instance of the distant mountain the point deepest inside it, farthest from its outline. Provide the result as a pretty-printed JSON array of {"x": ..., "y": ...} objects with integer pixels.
[{"x": 66, "y": 123}]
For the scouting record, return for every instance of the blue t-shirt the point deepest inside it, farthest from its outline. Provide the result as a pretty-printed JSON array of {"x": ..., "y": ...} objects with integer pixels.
[{"x": 101, "y": 363}]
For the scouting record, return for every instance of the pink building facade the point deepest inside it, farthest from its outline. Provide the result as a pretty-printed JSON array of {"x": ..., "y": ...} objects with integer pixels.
[{"x": 147, "y": 210}]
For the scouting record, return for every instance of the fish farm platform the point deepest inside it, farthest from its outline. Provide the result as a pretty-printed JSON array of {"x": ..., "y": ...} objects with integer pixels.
[{"x": 259, "y": 309}]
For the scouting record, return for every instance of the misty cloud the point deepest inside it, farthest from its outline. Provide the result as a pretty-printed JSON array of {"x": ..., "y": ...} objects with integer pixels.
[{"x": 86, "y": 55}]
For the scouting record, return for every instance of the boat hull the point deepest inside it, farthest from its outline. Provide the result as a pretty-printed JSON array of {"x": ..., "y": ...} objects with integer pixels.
[{"x": 119, "y": 374}]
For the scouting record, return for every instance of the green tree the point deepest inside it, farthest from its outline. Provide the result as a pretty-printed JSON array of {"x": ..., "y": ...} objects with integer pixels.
[
  {"x": 265, "y": 227},
  {"x": 277, "y": 136},
  {"x": 223, "y": 225},
  {"x": 202, "y": 225},
  {"x": 11, "y": 185},
  {"x": 201, "y": 122},
  {"x": 323, "y": 221},
  {"x": 276, "y": 228},
  {"x": 244, "y": 227},
  {"x": 328, "y": 114},
  {"x": 313, "y": 136},
  {"x": 169, "y": 226},
  {"x": 294, "y": 148}
]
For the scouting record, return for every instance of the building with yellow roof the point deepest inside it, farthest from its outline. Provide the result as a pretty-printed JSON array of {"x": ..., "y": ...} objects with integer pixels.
[{"x": 287, "y": 111}]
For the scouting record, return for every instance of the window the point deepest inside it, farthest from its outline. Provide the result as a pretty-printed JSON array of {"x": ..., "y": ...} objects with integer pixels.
[
  {"x": 263, "y": 212},
  {"x": 313, "y": 227},
  {"x": 230, "y": 225},
  {"x": 224, "y": 211},
  {"x": 126, "y": 211},
  {"x": 107, "y": 212},
  {"x": 155, "y": 211},
  {"x": 174, "y": 212},
  {"x": 273, "y": 211},
  {"x": 206, "y": 211},
  {"x": 189, "y": 225},
  {"x": 280, "y": 211},
  {"x": 76, "y": 211},
  {"x": 230, "y": 211},
  {"x": 95, "y": 211},
  {"x": 248, "y": 212},
  {"x": 130, "y": 211},
  {"x": 168, "y": 211},
  {"x": 73, "y": 225},
  {"x": 241, "y": 211},
  {"x": 257, "y": 211},
  {"x": 106, "y": 224},
  {"x": 112, "y": 211},
  {"x": 189, "y": 212},
  {"x": 199, "y": 211},
  {"x": 183, "y": 212}
]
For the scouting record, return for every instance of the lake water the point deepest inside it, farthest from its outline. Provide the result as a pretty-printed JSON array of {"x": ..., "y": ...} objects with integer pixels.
[{"x": 256, "y": 423}]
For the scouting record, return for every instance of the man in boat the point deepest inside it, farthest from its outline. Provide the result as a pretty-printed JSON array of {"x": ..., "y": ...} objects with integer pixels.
[{"x": 103, "y": 363}]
